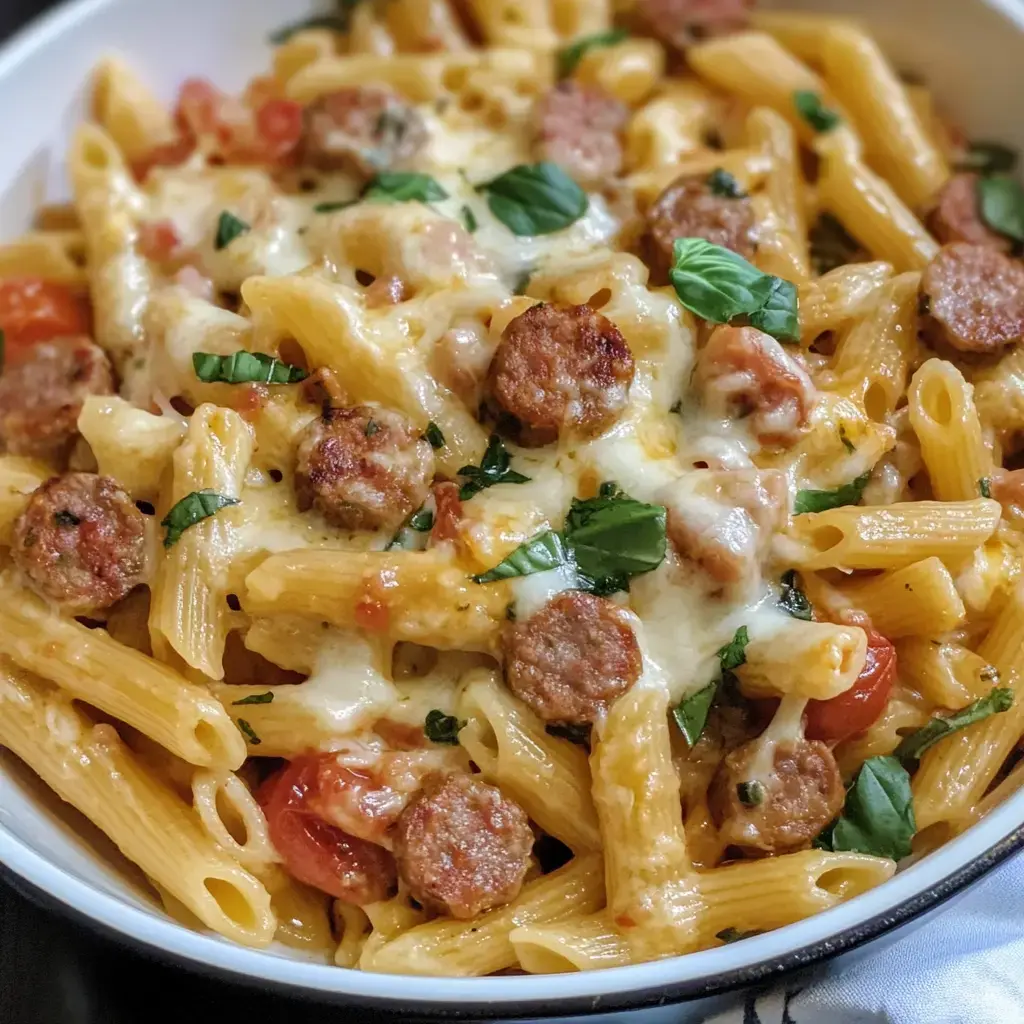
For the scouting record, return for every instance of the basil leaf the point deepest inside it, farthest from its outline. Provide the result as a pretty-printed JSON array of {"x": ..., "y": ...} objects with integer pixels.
[
  {"x": 66, "y": 518},
  {"x": 793, "y": 600},
  {"x": 494, "y": 468},
  {"x": 822, "y": 501},
  {"x": 249, "y": 732},
  {"x": 442, "y": 728},
  {"x": 1001, "y": 202},
  {"x": 255, "y": 698},
  {"x": 725, "y": 185},
  {"x": 692, "y": 714},
  {"x": 750, "y": 794},
  {"x": 603, "y": 586},
  {"x": 538, "y": 554},
  {"x": 244, "y": 368},
  {"x": 988, "y": 158},
  {"x": 536, "y": 199},
  {"x": 404, "y": 187},
  {"x": 372, "y": 427},
  {"x": 779, "y": 316},
  {"x": 192, "y": 509},
  {"x": 719, "y": 286},
  {"x": 578, "y": 734},
  {"x": 878, "y": 817},
  {"x": 469, "y": 221},
  {"x": 735, "y": 935},
  {"x": 229, "y": 227},
  {"x": 570, "y": 56},
  {"x": 809, "y": 106},
  {"x": 831, "y": 245},
  {"x": 734, "y": 653},
  {"x": 522, "y": 282},
  {"x": 434, "y": 435},
  {"x": 334, "y": 207},
  {"x": 847, "y": 443},
  {"x": 614, "y": 534},
  {"x": 914, "y": 745},
  {"x": 985, "y": 487},
  {"x": 422, "y": 521}
]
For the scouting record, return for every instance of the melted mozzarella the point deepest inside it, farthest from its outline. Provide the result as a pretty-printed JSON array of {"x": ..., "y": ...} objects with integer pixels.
[{"x": 532, "y": 593}]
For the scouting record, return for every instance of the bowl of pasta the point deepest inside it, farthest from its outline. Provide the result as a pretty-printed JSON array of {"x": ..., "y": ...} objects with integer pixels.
[{"x": 554, "y": 469}]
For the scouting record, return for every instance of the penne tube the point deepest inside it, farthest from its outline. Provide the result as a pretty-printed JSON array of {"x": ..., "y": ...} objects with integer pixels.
[
  {"x": 839, "y": 297},
  {"x": 948, "y": 675},
  {"x": 88, "y": 766},
  {"x": 892, "y": 536},
  {"x": 57, "y": 256},
  {"x": 93, "y": 667},
  {"x": 19, "y": 477},
  {"x": 630, "y": 71}
]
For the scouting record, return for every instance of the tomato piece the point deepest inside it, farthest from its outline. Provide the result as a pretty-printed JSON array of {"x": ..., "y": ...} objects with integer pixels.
[
  {"x": 279, "y": 127},
  {"x": 449, "y": 512},
  {"x": 315, "y": 852},
  {"x": 33, "y": 310},
  {"x": 170, "y": 154},
  {"x": 199, "y": 107},
  {"x": 158, "y": 240},
  {"x": 852, "y": 712}
]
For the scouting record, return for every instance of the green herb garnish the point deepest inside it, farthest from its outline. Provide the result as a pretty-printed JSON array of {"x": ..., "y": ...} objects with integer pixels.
[{"x": 193, "y": 509}]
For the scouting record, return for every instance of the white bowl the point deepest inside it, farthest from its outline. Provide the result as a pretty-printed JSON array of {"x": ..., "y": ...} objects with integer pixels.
[{"x": 969, "y": 50}]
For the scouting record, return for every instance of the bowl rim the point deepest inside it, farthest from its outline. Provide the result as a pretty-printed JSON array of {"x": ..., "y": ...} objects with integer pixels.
[{"x": 922, "y": 888}]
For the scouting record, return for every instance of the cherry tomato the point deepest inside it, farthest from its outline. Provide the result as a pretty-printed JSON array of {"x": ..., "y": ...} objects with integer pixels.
[
  {"x": 279, "y": 128},
  {"x": 158, "y": 240},
  {"x": 199, "y": 107},
  {"x": 33, "y": 310},
  {"x": 318, "y": 853},
  {"x": 852, "y": 712}
]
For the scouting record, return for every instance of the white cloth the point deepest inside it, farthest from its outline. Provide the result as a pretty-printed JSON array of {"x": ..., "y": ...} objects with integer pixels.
[{"x": 965, "y": 966}]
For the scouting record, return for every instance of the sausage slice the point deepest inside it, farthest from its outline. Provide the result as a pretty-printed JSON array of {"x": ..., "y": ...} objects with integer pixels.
[
  {"x": 690, "y": 208},
  {"x": 81, "y": 542},
  {"x": 784, "y": 812},
  {"x": 560, "y": 368},
  {"x": 579, "y": 128},
  {"x": 684, "y": 22},
  {"x": 571, "y": 659},
  {"x": 363, "y": 468},
  {"x": 41, "y": 396},
  {"x": 365, "y": 128},
  {"x": 462, "y": 846},
  {"x": 973, "y": 298},
  {"x": 956, "y": 216}
]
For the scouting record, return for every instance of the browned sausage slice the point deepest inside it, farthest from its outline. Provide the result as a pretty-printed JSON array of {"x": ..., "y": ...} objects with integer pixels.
[
  {"x": 956, "y": 215},
  {"x": 462, "y": 846},
  {"x": 783, "y": 812},
  {"x": 689, "y": 208},
  {"x": 684, "y": 22},
  {"x": 571, "y": 659},
  {"x": 973, "y": 298},
  {"x": 579, "y": 128},
  {"x": 363, "y": 468},
  {"x": 365, "y": 128},
  {"x": 81, "y": 542},
  {"x": 743, "y": 371},
  {"x": 560, "y": 368},
  {"x": 41, "y": 396}
]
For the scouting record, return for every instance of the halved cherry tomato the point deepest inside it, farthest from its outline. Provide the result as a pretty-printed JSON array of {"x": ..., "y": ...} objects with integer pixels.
[
  {"x": 158, "y": 240},
  {"x": 852, "y": 712},
  {"x": 33, "y": 310},
  {"x": 279, "y": 128},
  {"x": 316, "y": 853}
]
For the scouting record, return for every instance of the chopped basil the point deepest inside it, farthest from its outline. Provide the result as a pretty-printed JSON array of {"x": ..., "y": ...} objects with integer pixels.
[
  {"x": 793, "y": 600},
  {"x": 735, "y": 935},
  {"x": 831, "y": 244},
  {"x": 244, "y": 368},
  {"x": 334, "y": 207},
  {"x": 734, "y": 653},
  {"x": 1001, "y": 202},
  {"x": 193, "y": 509},
  {"x": 614, "y": 534},
  {"x": 249, "y": 732},
  {"x": 847, "y": 443},
  {"x": 535, "y": 199},
  {"x": 522, "y": 282},
  {"x": 985, "y": 487},
  {"x": 822, "y": 501},
  {"x": 422, "y": 521},
  {"x": 578, "y": 734},
  {"x": 229, "y": 227},
  {"x": 988, "y": 158},
  {"x": 878, "y": 817},
  {"x": 255, "y": 698},
  {"x": 914, "y": 745},
  {"x": 751, "y": 794},
  {"x": 809, "y": 106},
  {"x": 66, "y": 518},
  {"x": 372, "y": 427},
  {"x": 725, "y": 185},
  {"x": 434, "y": 436},
  {"x": 540, "y": 553},
  {"x": 469, "y": 221},
  {"x": 494, "y": 468},
  {"x": 570, "y": 56},
  {"x": 720, "y": 286},
  {"x": 404, "y": 187},
  {"x": 442, "y": 728},
  {"x": 691, "y": 715}
]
